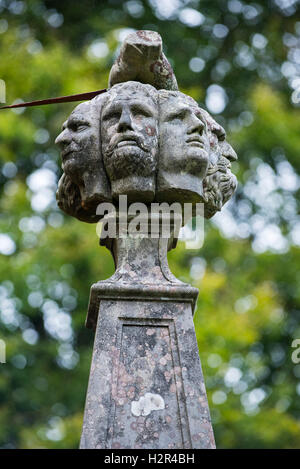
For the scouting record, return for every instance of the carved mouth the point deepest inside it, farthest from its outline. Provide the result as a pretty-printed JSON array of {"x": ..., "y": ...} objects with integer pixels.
[
  {"x": 195, "y": 144},
  {"x": 195, "y": 141},
  {"x": 65, "y": 155},
  {"x": 127, "y": 142}
]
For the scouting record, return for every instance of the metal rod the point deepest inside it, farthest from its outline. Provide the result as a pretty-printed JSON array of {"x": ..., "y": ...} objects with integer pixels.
[{"x": 61, "y": 99}]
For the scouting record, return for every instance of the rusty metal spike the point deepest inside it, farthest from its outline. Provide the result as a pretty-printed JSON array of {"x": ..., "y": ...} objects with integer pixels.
[{"x": 60, "y": 99}]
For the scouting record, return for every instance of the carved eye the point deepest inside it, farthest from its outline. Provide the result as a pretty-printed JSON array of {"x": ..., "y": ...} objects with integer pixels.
[
  {"x": 112, "y": 117},
  {"x": 140, "y": 111},
  {"x": 177, "y": 116},
  {"x": 78, "y": 126},
  {"x": 82, "y": 127}
]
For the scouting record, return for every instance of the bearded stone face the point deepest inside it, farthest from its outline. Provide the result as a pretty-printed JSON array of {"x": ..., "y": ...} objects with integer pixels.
[
  {"x": 129, "y": 133},
  {"x": 79, "y": 140},
  {"x": 146, "y": 144},
  {"x": 84, "y": 183},
  {"x": 184, "y": 149},
  {"x": 219, "y": 184}
]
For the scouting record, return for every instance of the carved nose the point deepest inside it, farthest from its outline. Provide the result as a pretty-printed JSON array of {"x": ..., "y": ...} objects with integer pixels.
[
  {"x": 125, "y": 122},
  {"x": 63, "y": 138},
  {"x": 197, "y": 126}
]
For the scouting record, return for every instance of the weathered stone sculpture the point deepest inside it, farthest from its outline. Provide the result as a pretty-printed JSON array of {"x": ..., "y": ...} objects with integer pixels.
[
  {"x": 84, "y": 184},
  {"x": 183, "y": 149},
  {"x": 129, "y": 134},
  {"x": 219, "y": 183},
  {"x": 146, "y": 141}
]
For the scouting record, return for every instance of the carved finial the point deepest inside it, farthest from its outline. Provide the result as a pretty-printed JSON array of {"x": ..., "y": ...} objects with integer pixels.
[{"x": 141, "y": 59}]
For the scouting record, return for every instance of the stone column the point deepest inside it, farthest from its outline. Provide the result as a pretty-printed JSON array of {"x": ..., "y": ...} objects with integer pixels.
[
  {"x": 146, "y": 387},
  {"x": 146, "y": 141}
]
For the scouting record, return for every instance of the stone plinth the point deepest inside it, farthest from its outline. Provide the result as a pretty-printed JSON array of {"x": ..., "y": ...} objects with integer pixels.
[{"x": 146, "y": 387}]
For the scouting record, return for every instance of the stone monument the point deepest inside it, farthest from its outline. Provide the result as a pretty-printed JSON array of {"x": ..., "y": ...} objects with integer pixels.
[{"x": 145, "y": 141}]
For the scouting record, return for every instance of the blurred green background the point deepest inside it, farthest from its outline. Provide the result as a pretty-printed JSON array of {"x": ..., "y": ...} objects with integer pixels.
[{"x": 241, "y": 61}]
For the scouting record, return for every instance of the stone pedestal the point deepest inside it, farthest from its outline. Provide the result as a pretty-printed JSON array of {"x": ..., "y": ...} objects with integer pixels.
[
  {"x": 146, "y": 387},
  {"x": 146, "y": 142}
]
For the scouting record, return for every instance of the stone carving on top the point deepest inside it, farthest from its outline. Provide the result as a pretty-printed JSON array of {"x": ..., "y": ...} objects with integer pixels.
[
  {"x": 144, "y": 139},
  {"x": 141, "y": 59}
]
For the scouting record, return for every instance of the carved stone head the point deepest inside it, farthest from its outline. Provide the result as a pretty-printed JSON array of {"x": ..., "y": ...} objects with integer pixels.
[
  {"x": 184, "y": 149},
  {"x": 219, "y": 184},
  {"x": 129, "y": 134},
  {"x": 84, "y": 183}
]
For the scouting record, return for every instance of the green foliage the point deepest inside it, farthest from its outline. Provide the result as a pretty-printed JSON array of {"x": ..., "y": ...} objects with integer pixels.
[{"x": 247, "y": 271}]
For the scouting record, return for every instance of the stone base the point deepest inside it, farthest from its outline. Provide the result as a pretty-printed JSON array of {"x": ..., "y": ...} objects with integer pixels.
[{"x": 146, "y": 387}]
